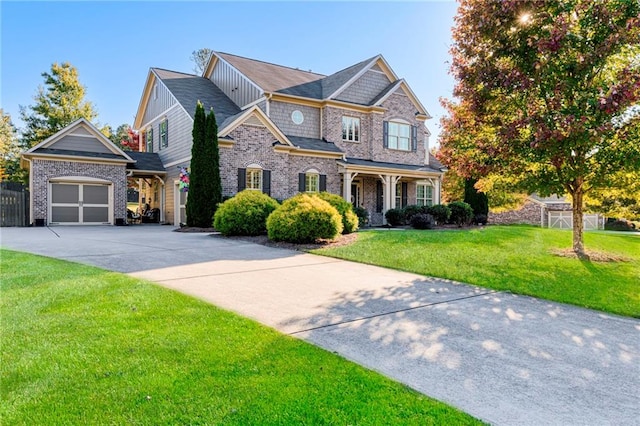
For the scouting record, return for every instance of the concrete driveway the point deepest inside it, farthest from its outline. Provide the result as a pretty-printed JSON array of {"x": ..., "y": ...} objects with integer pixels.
[{"x": 506, "y": 359}]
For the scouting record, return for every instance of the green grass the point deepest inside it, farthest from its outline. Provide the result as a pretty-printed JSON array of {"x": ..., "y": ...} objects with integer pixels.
[
  {"x": 513, "y": 258},
  {"x": 81, "y": 345}
]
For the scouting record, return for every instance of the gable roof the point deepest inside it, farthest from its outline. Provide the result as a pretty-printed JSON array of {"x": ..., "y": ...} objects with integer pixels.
[
  {"x": 188, "y": 89},
  {"x": 269, "y": 77},
  {"x": 83, "y": 129},
  {"x": 146, "y": 161}
]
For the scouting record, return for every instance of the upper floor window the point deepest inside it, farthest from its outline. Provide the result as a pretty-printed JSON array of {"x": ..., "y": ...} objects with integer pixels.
[
  {"x": 401, "y": 136},
  {"x": 254, "y": 179},
  {"x": 424, "y": 195},
  {"x": 350, "y": 129},
  {"x": 149, "y": 139},
  {"x": 164, "y": 133}
]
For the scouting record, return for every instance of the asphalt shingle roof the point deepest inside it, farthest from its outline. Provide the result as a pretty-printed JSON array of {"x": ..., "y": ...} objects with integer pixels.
[
  {"x": 149, "y": 161},
  {"x": 418, "y": 168},
  {"x": 188, "y": 89},
  {"x": 270, "y": 77},
  {"x": 336, "y": 80},
  {"x": 314, "y": 144}
]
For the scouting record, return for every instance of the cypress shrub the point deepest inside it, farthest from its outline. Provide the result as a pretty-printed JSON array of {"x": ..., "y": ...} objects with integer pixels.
[
  {"x": 477, "y": 200},
  {"x": 244, "y": 214},
  {"x": 349, "y": 218},
  {"x": 304, "y": 219}
]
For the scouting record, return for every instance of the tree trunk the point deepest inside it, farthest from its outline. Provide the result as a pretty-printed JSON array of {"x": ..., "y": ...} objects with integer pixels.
[{"x": 578, "y": 226}]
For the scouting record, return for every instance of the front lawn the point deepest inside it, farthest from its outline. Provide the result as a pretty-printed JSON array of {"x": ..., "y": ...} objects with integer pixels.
[
  {"x": 513, "y": 258},
  {"x": 81, "y": 345}
]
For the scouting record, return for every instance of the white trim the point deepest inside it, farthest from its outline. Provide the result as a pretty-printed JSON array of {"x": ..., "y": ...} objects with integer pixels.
[
  {"x": 67, "y": 130},
  {"x": 220, "y": 58},
  {"x": 256, "y": 102},
  {"x": 144, "y": 126},
  {"x": 355, "y": 77},
  {"x": 80, "y": 181},
  {"x": 175, "y": 163},
  {"x": 269, "y": 124}
]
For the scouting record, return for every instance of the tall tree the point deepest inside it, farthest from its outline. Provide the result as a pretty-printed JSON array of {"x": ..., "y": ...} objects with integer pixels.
[
  {"x": 10, "y": 148},
  {"x": 546, "y": 88},
  {"x": 213, "y": 160},
  {"x": 60, "y": 102},
  {"x": 200, "y": 58},
  {"x": 204, "y": 180}
]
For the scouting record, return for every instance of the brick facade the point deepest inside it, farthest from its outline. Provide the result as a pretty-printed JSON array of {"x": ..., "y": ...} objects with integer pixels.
[{"x": 42, "y": 171}]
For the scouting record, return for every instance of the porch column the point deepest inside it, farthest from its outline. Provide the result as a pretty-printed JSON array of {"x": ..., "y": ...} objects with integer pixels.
[
  {"x": 385, "y": 195},
  {"x": 162, "y": 198},
  {"x": 347, "y": 178},
  {"x": 437, "y": 189},
  {"x": 393, "y": 180}
]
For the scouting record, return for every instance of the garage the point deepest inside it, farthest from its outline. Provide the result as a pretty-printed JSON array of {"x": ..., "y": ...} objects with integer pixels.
[
  {"x": 564, "y": 220},
  {"x": 74, "y": 203},
  {"x": 78, "y": 177}
]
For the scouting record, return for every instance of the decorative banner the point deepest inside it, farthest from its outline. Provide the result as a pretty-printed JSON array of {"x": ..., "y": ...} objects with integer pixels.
[{"x": 184, "y": 179}]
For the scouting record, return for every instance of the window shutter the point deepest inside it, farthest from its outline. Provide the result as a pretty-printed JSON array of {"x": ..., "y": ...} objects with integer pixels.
[
  {"x": 414, "y": 138},
  {"x": 160, "y": 141},
  {"x": 266, "y": 182},
  {"x": 404, "y": 194},
  {"x": 379, "y": 202},
  {"x": 323, "y": 183},
  {"x": 166, "y": 132},
  {"x": 385, "y": 134},
  {"x": 242, "y": 179},
  {"x": 301, "y": 182}
]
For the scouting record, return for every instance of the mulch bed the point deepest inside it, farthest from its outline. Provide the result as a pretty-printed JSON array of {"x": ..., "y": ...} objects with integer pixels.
[
  {"x": 342, "y": 240},
  {"x": 593, "y": 256}
]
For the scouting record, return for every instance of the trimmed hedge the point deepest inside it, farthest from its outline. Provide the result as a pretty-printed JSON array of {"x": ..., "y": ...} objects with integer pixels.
[
  {"x": 410, "y": 211},
  {"x": 395, "y": 217},
  {"x": 461, "y": 213},
  {"x": 244, "y": 214},
  {"x": 349, "y": 218},
  {"x": 422, "y": 221},
  {"x": 363, "y": 216},
  {"x": 304, "y": 219},
  {"x": 620, "y": 225},
  {"x": 440, "y": 213}
]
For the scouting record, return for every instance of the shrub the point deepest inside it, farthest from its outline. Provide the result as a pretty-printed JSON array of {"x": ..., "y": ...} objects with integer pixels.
[
  {"x": 477, "y": 200},
  {"x": 410, "y": 211},
  {"x": 422, "y": 221},
  {"x": 620, "y": 225},
  {"x": 349, "y": 218},
  {"x": 395, "y": 217},
  {"x": 244, "y": 214},
  {"x": 304, "y": 219},
  {"x": 461, "y": 213},
  {"x": 363, "y": 216},
  {"x": 480, "y": 219},
  {"x": 440, "y": 213}
]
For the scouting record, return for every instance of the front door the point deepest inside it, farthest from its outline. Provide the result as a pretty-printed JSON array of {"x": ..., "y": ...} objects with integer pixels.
[
  {"x": 356, "y": 193},
  {"x": 79, "y": 203}
]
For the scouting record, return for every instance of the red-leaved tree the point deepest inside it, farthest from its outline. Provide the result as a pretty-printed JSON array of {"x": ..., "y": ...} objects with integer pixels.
[{"x": 545, "y": 95}]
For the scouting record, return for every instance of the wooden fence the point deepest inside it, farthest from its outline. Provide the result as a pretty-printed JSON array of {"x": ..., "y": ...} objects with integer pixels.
[{"x": 14, "y": 204}]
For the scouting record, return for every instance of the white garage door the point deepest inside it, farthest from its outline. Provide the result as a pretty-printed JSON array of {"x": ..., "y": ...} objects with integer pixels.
[
  {"x": 564, "y": 220},
  {"x": 79, "y": 204}
]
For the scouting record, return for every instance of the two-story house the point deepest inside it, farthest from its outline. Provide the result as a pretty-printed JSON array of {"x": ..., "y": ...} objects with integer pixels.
[{"x": 359, "y": 132}]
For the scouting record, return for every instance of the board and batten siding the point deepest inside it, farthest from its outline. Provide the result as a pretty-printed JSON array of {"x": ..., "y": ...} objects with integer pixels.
[
  {"x": 72, "y": 142},
  {"x": 236, "y": 86},
  {"x": 160, "y": 100},
  {"x": 366, "y": 88},
  {"x": 280, "y": 114},
  {"x": 180, "y": 127}
]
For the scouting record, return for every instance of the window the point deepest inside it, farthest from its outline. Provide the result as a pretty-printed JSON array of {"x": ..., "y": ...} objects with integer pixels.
[
  {"x": 149, "y": 139},
  {"x": 424, "y": 195},
  {"x": 350, "y": 129},
  {"x": 164, "y": 134},
  {"x": 312, "y": 182},
  {"x": 399, "y": 136},
  {"x": 254, "y": 179}
]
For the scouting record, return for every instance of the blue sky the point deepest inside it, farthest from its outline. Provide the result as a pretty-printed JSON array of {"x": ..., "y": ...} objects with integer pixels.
[{"x": 113, "y": 44}]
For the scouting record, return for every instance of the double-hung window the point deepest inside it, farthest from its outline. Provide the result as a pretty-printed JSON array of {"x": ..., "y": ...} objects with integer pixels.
[
  {"x": 254, "y": 179},
  {"x": 350, "y": 129},
  {"x": 150, "y": 139},
  {"x": 399, "y": 136},
  {"x": 424, "y": 195},
  {"x": 164, "y": 133}
]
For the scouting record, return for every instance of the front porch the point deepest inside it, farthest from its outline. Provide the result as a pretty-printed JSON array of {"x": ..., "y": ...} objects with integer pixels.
[{"x": 378, "y": 186}]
